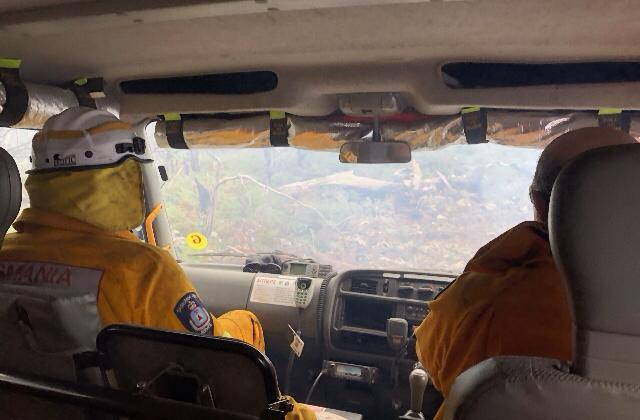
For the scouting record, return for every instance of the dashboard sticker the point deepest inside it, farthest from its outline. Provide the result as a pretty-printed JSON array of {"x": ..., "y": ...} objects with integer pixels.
[
  {"x": 276, "y": 290},
  {"x": 196, "y": 240}
]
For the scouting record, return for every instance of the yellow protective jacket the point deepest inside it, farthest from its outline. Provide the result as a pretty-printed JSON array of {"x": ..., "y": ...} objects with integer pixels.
[
  {"x": 135, "y": 283},
  {"x": 510, "y": 300}
]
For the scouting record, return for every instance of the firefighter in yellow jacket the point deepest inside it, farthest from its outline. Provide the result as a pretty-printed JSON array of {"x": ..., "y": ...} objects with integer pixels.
[
  {"x": 86, "y": 194},
  {"x": 510, "y": 299}
]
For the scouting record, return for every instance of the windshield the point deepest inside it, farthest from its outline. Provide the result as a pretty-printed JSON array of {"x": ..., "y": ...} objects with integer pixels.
[{"x": 433, "y": 213}]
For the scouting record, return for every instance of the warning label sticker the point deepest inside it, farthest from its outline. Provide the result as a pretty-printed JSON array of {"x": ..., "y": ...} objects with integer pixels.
[
  {"x": 297, "y": 345},
  {"x": 276, "y": 290}
]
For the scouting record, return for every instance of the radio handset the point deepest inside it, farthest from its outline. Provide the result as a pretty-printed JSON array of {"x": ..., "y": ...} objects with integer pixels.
[
  {"x": 303, "y": 295},
  {"x": 304, "y": 292}
]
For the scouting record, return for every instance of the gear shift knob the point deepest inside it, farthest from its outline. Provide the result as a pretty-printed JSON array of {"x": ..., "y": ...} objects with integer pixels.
[{"x": 418, "y": 380}]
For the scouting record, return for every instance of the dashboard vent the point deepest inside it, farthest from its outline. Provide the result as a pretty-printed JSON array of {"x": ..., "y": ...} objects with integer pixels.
[{"x": 364, "y": 286}]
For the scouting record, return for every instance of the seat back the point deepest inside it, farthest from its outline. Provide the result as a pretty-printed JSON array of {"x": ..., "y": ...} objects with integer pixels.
[
  {"x": 595, "y": 237},
  {"x": 218, "y": 372},
  {"x": 10, "y": 192},
  {"x": 40, "y": 328},
  {"x": 40, "y": 334},
  {"x": 41, "y": 331}
]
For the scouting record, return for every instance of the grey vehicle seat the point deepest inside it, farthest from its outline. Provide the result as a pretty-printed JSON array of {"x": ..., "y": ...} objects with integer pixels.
[
  {"x": 595, "y": 237},
  {"x": 10, "y": 192},
  {"x": 212, "y": 372},
  {"x": 41, "y": 329}
]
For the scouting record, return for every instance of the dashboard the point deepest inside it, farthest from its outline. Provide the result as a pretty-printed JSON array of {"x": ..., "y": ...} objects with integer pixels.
[
  {"x": 343, "y": 324},
  {"x": 363, "y": 300}
]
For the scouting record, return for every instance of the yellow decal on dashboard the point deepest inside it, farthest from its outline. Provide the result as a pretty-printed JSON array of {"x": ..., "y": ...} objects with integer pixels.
[{"x": 197, "y": 241}]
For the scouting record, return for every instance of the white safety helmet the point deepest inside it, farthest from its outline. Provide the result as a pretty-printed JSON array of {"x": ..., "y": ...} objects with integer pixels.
[{"x": 84, "y": 138}]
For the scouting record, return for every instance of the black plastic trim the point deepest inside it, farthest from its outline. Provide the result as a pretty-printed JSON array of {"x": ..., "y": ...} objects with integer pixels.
[
  {"x": 470, "y": 75},
  {"x": 242, "y": 83},
  {"x": 83, "y": 91},
  {"x": 474, "y": 125},
  {"x": 175, "y": 136}
]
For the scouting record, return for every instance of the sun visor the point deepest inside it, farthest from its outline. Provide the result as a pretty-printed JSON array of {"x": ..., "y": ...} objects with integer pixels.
[
  {"x": 45, "y": 102},
  {"x": 217, "y": 132},
  {"x": 425, "y": 132},
  {"x": 325, "y": 133},
  {"x": 38, "y": 104},
  {"x": 30, "y": 105},
  {"x": 533, "y": 129}
]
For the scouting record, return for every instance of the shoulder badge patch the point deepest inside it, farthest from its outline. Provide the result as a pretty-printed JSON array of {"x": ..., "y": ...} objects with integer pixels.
[{"x": 193, "y": 315}]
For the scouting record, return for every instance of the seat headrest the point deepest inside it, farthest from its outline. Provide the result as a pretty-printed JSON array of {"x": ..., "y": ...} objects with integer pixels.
[
  {"x": 594, "y": 227},
  {"x": 10, "y": 192}
]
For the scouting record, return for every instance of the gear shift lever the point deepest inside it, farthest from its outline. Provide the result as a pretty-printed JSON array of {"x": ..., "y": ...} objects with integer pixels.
[{"x": 418, "y": 380}]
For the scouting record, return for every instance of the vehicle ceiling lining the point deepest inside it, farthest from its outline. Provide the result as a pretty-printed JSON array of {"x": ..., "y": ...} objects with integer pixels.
[{"x": 318, "y": 49}]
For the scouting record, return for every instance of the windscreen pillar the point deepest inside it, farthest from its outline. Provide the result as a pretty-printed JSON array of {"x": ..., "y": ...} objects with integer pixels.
[{"x": 153, "y": 198}]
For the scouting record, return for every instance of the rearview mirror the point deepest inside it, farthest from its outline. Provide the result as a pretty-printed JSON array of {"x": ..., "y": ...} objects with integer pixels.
[{"x": 375, "y": 152}]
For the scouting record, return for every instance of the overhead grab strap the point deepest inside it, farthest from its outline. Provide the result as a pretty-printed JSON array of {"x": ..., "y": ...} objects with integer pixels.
[
  {"x": 474, "y": 122},
  {"x": 87, "y": 90},
  {"x": 278, "y": 129},
  {"x": 15, "y": 101},
  {"x": 614, "y": 118},
  {"x": 174, "y": 130}
]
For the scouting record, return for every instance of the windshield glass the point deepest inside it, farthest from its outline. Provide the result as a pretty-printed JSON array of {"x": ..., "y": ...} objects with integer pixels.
[{"x": 433, "y": 213}]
